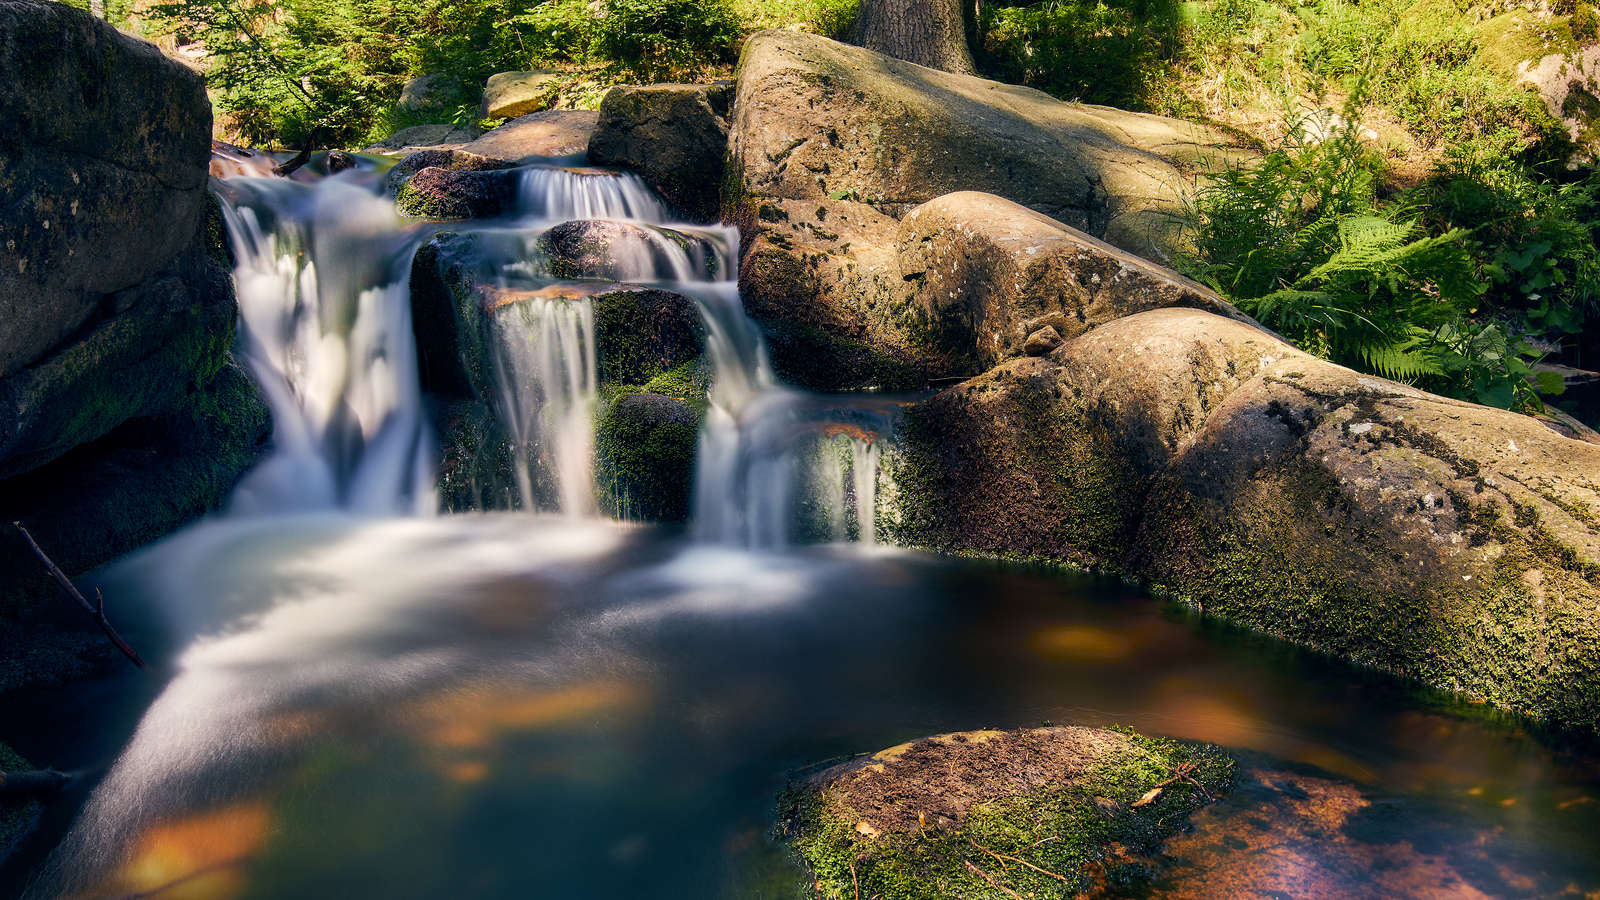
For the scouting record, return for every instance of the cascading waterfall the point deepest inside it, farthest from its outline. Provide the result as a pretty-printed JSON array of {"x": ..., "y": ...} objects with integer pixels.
[
  {"x": 545, "y": 365},
  {"x": 331, "y": 345},
  {"x": 324, "y": 300}
]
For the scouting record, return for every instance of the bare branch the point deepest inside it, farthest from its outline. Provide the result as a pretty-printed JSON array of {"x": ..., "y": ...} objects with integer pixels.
[{"x": 99, "y": 615}]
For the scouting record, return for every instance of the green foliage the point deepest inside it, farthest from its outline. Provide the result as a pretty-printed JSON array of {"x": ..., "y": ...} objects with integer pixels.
[
  {"x": 658, "y": 40},
  {"x": 1080, "y": 49},
  {"x": 1397, "y": 288}
]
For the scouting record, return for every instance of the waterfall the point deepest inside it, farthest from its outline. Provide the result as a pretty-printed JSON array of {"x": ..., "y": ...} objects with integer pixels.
[
  {"x": 545, "y": 367},
  {"x": 325, "y": 320},
  {"x": 323, "y": 282}
]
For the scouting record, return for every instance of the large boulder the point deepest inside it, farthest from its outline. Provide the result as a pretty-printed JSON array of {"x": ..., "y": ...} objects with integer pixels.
[
  {"x": 418, "y": 138},
  {"x": 1448, "y": 542},
  {"x": 986, "y": 273},
  {"x": 816, "y": 119},
  {"x": 121, "y": 414},
  {"x": 1031, "y": 812},
  {"x": 959, "y": 284},
  {"x": 674, "y": 135},
  {"x": 644, "y": 457},
  {"x": 104, "y": 136},
  {"x": 507, "y": 95}
]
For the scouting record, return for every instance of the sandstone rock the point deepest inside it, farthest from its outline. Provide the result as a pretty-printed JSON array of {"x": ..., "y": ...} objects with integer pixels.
[
  {"x": 555, "y": 132},
  {"x": 987, "y": 273},
  {"x": 953, "y": 288},
  {"x": 937, "y": 817},
  {"x": 1042, "y": 341},
  {"x": 822, "y": 278},
  {"x": 815, "y": 118},
  {"x": 674, "y": 135},
  {"x": 511, "y": 94},
  {"x": 1440, "y": 540},
  {"x": 622, "y": 251},
  {"x": 104, "y": 136},
  {"x": 423, "y": 137}
]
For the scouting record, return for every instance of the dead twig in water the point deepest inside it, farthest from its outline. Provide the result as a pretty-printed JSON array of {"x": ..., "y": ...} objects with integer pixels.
[
  {"x": 98, "y": 613},
  {"x": 989, "y": 878},
  {"x": 284, "y": 170},
  {"x": 38, "y": 781}
]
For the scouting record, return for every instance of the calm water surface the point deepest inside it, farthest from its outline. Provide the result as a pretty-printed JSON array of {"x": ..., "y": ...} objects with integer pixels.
[{"x": 518, "y": 706}]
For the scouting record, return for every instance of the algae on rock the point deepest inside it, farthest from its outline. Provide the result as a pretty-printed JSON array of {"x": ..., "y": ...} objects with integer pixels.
[{"x": 994, "y": 814}]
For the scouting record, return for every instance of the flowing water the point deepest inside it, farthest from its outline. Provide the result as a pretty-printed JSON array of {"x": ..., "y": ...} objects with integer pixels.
[{"x": 364, "y": 699}]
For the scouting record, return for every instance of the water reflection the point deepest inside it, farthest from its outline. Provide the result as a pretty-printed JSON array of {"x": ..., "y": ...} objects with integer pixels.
[{"x": 504, "y": 706}]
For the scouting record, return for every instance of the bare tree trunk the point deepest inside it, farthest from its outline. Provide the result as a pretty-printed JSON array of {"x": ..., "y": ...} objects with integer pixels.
[
  {"x": 926, "y": 32},
  {"x": 97, "y": 8}
]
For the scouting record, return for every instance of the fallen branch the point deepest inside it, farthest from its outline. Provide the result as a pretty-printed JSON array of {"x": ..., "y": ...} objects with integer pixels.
[
  {"x": 98, "y": 613},
  {"x": 1002, "y": 857},
  {"x": 42, "y": 781},
  {"x": 285, "y": 169},
  {"x": 989, "y": 878}
]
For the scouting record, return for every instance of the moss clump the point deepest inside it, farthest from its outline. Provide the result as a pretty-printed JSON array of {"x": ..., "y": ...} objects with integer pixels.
[
  {"x": 18, "y": 815},
  {"x": 1039, "y": 812},
  {"x": 644, "y": 457},
  {"x": 643, "y": 334}
]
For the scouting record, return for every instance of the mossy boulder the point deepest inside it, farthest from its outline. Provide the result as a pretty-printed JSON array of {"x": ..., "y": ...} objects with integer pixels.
[
  {"x": 435, "y": 193},
  {"x": 103, "y": 163},
  {"x": 996, "y": 814},
  {"x": 644, "y": 457},
  {"x": 674, "y": 135},
  {"x": 1443, "y": 541}
]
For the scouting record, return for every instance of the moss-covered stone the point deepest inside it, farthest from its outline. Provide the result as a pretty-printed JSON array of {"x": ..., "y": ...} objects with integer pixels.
[
  {"x": 644, "y": 457},
  {"x": 1432, "y": 538},
  {"x": 111, "y": 495},
  {"x": 990, "y": 814},
  {"x": 674, "y": 135},
  {"x": 18, "y": 815}
]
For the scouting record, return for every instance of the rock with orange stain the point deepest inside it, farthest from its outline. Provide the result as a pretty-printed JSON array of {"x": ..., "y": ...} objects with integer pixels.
[
  {"x": 472, "y": 719},
  {"x": 197, "y": 857},
  {"x": 1296, "y": 832}
]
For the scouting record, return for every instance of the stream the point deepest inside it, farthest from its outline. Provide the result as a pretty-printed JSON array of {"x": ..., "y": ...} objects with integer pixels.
[{"x": 363, "y": 698}]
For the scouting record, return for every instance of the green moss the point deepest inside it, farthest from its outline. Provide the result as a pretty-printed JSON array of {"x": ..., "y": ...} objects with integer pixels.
[
  {"x": 998, "y": 851},
  {"x": 644, "y": 457},
  {"x": 18, "y": 815}
]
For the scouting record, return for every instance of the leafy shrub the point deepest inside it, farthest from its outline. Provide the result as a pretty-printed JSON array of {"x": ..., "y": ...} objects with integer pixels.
[
  {"x": 1080, "y": 49},
  {"x": 1302, "y": 243},
  {"x": 665, "y": 39}
]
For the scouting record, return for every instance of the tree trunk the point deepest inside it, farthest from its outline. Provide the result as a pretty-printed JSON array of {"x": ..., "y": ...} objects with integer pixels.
[
  {"x": 926, "y": 32},
  {"x": 97, "y": 8}
]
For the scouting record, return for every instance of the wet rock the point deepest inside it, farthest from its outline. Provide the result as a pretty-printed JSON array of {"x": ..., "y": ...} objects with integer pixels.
[
  {"x": 644, "y": 457},
  {"x": 1436, "y": 539},
  {"x": 435, "y": 193},
  {"x": 817, "y": 119},
  {"x": 622, "y": 251},
  {"x": 641, "y": 333},
  {"x": 674, "y": 135},
  {"x": 986, "y": 273},
  {"x": 1291, "y": 830},
  {"x": 508, "y": 95},
  {"x": 994, "y": 813},
  {"x": 451, "y": 160},
  {"x": 553, "y": 132},
  {"x": 19, "y": 815}
]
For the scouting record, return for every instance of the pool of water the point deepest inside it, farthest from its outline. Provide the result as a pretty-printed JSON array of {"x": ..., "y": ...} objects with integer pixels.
[{"x": 511, "y": 706}]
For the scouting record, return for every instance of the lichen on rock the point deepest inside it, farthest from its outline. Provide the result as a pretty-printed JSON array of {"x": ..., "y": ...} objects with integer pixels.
[{"x": 994, "y": 814}]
